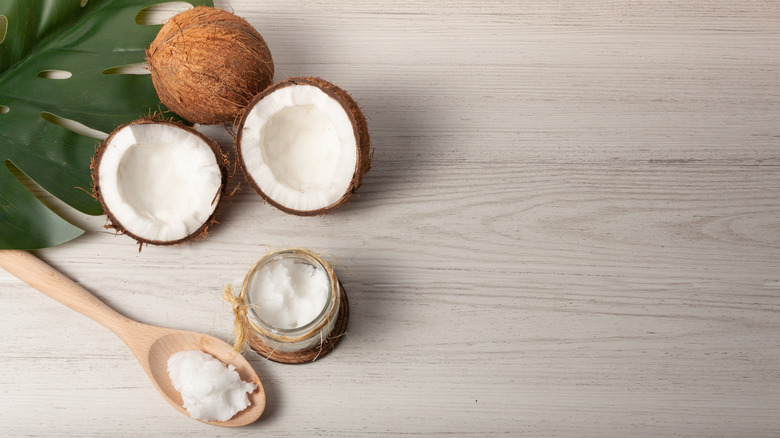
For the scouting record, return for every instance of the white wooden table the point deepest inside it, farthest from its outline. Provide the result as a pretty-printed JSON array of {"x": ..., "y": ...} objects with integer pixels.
[{"x": 571, "y": 227}]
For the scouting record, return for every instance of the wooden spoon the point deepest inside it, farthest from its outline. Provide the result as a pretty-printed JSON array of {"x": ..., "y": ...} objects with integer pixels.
[{"x": 151, "y": 345}]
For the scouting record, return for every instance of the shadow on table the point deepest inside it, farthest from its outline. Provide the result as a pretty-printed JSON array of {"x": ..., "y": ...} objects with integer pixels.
[
  {"x": 273, "y": 397},
  {"x": 401, "y": 134}
]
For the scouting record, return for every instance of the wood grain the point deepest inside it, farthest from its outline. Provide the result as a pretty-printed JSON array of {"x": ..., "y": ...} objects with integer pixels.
[{"x": 571, "y": 227}]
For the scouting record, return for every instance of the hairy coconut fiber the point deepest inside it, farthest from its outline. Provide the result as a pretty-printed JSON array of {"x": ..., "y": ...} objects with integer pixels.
[{"x": 207, "y": 64}]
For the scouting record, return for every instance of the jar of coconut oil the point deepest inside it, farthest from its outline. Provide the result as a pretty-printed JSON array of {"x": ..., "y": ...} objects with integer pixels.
[{"x": 295, "y": 308}]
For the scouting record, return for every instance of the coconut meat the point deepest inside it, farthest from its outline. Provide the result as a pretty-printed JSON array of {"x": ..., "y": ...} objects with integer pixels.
[
  {"x": 160, "y": 182},
  {"x": 298, "y": 144}
]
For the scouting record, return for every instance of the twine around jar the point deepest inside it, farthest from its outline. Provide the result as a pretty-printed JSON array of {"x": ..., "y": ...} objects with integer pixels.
[{"x": 239, "y": 317}]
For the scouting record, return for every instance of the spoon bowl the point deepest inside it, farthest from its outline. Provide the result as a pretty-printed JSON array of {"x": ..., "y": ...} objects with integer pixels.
[
  {"x": 175, "y": 341},
  {"x": 151, "y": 345}
]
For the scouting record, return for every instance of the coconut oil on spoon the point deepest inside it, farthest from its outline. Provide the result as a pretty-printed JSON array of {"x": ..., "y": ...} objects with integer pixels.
[{"x": 152, "y": 346}]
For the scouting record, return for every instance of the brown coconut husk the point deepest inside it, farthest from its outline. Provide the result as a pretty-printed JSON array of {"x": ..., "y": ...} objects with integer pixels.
[
  {"x": 359, "y": 126},
  {"x": 207, "y": 64},
  {"x": 115, "y": 224}
]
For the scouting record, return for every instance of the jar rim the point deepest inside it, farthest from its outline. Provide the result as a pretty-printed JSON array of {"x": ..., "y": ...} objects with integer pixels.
[{"x": 306, "y": 329}]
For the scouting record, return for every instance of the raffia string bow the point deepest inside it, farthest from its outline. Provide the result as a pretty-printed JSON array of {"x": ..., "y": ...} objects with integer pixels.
[{"x": 239, "y": 313}]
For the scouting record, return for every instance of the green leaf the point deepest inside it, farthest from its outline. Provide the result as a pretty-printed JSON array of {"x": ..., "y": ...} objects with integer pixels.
[{"x": 77, "y": 40}]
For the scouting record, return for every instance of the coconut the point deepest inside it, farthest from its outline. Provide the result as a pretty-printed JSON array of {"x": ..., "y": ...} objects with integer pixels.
[
  {"x": 303, "y": 145},
  {"x": 207, "y": 64},
  {"x": 159, "y": 182}
]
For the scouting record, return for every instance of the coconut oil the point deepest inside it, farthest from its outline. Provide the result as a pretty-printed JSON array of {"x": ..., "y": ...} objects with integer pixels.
[
  {"x": 293, "y": 303},
  {"x": 287, "y": 293},
  {"x": 209, "y": 389}
]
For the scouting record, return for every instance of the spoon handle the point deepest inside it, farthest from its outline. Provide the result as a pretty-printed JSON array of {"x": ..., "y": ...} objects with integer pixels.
[{"x": 56, "y": 285}]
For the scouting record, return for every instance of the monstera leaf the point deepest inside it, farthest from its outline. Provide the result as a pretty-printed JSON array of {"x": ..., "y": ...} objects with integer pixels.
[{"x": 57, "y": 95}]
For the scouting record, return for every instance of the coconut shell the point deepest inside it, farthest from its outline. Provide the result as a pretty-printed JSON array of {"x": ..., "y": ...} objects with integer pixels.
[
  {"x": 359, "y": 126},
  {"x": 207, "y": 64},
  {"x": 114, "y": 223}
]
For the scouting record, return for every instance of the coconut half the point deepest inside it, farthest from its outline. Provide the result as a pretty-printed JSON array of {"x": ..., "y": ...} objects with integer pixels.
[
  {"x": 304, "y": 146},
  {"x": 159, "y": 182}
]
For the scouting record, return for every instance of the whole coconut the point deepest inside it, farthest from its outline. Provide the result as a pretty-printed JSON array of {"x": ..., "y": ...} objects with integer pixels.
[{"x": 207, "y": 64}]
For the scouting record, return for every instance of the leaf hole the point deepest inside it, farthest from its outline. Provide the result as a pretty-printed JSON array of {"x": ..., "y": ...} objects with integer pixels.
[
  {"x": 84, "y": 3},
  {"x": 73, "y": 126},
  {"x": 28, "y": 183},
  {"x": 54, "y": 74},
  {"x": 160, "y": 13},
  {"x": 4, "y": 109},
  {"x": 140, "y": 68},
  {"x": 3, "y": 27},
  {"x": 59, "y": 207}
]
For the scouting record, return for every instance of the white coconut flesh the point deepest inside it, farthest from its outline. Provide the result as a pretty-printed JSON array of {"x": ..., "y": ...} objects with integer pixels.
[
  {"x": 160, "y": 182},
  {"x": 298, "y": 144}
]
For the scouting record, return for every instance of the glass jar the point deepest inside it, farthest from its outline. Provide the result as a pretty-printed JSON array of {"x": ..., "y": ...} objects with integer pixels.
[{"x": 301, "y": 343}]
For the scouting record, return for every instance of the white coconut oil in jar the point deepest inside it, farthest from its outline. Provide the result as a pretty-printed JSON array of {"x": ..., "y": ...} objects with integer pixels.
[{"x": 296, "y": 310}]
